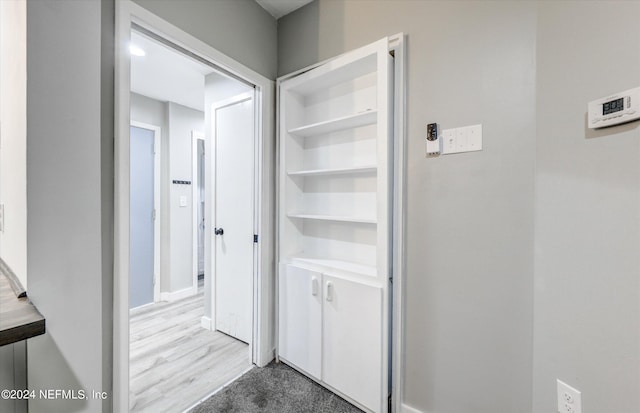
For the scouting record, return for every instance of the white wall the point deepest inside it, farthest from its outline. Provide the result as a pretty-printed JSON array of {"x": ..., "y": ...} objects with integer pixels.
[
  {"x": 70, "y": 195},
  {"x": 182, "y": 121},
  {"x": 587, "y": 270},
  {"x": 13, "y": 135},
  {"x": 13, "y": 176}
]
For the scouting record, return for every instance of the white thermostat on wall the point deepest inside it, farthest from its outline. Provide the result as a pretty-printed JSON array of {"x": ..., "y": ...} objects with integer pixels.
[{"x": 615, "y": 109}]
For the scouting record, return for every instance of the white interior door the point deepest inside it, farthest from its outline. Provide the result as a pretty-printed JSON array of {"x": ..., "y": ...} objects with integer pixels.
[
  {"x": 234, "y": 216},
  {"x": 141, "y": 261}
]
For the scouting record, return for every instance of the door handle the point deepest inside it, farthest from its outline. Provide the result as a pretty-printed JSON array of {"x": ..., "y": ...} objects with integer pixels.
[
  {"x": 314, "y": 286},
  {"x": 218, "y": 231},
  {"x": 329, "y": 293}
]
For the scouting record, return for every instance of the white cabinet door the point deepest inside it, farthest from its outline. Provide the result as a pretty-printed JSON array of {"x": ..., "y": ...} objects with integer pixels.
[
  {"x": 352, "y": 340},
  {"x": 300, "y": 313}
]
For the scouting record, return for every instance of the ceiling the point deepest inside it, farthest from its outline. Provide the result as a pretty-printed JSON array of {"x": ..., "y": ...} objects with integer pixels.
[
  {"x": 167, "y": 75},
  {"x": 279, "y": 8}
]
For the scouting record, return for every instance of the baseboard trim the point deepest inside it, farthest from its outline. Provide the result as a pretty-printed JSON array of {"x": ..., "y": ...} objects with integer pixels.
[
  {"x": 409, "y": 409},
  {"x": 177, "y": 295},
  {"x": 265, "y": 358},
  {"x": 205, "y": 322},
  {"x": 140, "y": 309}
]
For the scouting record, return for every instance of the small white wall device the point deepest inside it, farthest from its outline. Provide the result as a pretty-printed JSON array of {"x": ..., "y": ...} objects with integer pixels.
[
  {"x": 612, "y": 110},
  {"x": 434, "y": 143}
]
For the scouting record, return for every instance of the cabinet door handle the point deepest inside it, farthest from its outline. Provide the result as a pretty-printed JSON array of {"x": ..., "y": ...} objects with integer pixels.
[
  {"x": 314, "y": 285},
  {"x": 329, "y": 293}
]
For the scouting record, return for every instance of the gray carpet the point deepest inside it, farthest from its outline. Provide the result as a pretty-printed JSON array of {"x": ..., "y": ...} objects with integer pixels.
[{"x": 276, "y": 388}]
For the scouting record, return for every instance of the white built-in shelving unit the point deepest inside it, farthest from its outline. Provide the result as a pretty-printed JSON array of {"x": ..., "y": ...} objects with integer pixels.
[{"x": 334, "y": 223}]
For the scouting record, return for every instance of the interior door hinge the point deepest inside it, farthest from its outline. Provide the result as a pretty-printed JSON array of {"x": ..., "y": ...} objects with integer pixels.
[
  {"x": 153, "y": 214},
  {"x": 255, "y": 237}
]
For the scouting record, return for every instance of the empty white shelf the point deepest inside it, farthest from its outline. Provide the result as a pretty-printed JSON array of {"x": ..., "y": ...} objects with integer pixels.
[
  {"x": 332, "y": 75},
  {"x": 336, "y": 171},
  {"x": 334, "y": 218},
  {"x": 353, "y": 267},
  {"x": 368, "y": 117}
]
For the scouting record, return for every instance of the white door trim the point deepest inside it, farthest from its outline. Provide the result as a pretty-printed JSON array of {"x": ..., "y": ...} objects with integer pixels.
[
  {"x": 157, "y": 139},
  {"x": 398, "y": 46},
  {"x": 127, "y": 13},
  {"x": 195, "y": 182}
]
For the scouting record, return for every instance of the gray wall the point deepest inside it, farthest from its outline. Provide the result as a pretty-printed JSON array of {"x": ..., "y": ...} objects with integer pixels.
[
  {"x": 564, "y": 255},
  {"x": 240, "y": 29},
  {"x": 176, "y": 122},
  {"x": 70, "y": 197},
  {"x": 182, "y": 121},
  {"x": 13, "y": 375},
  {"x": 470, "y": 216},
  {"x": 147, "y": 110},
  {"x": 587, "y": 284}
]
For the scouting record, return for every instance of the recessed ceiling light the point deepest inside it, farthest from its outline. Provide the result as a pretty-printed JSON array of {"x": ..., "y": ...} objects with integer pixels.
[{"x": 136, "y": 51}]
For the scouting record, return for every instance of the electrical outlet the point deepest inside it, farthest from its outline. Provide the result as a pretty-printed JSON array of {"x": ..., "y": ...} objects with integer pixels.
[{"x": 569, "y": 399}]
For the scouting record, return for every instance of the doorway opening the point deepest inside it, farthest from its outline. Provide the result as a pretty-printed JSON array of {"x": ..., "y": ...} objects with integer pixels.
[
  {"x": 193, "y": 226},
  {"x": 198, "y": 202}
]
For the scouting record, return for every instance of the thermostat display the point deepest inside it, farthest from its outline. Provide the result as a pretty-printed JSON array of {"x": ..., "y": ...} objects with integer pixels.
[
  {"x": 613, "y": 106},
  {"x": 613, "y": 110}
]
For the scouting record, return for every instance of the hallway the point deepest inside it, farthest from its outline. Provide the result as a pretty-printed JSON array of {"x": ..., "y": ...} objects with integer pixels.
[{"x": 174, "y": 361}]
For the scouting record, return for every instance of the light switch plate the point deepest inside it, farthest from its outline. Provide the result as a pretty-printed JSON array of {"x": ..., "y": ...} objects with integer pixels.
[
  {"x": 448, "y": 141},
  {"x": 474, "y": 138},
  {"x": 461, "y": 140},
  {"x": 569, "y": 399},
  {"x": 183, "y": 201},
  {"x": 465, "y": 139}
]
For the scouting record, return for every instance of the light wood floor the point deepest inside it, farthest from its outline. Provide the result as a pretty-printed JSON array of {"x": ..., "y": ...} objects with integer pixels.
[{"x": 174, "y": 362}]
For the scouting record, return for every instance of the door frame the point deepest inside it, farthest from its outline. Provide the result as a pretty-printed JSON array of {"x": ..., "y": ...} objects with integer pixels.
[
  {"x": 214, "y": 107},
  {"x": 157, "y": 138},
  {"x": 195, "y": 181},
  {"x": 398, "y": 48},
  {"x": 128, "y": 13}
]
